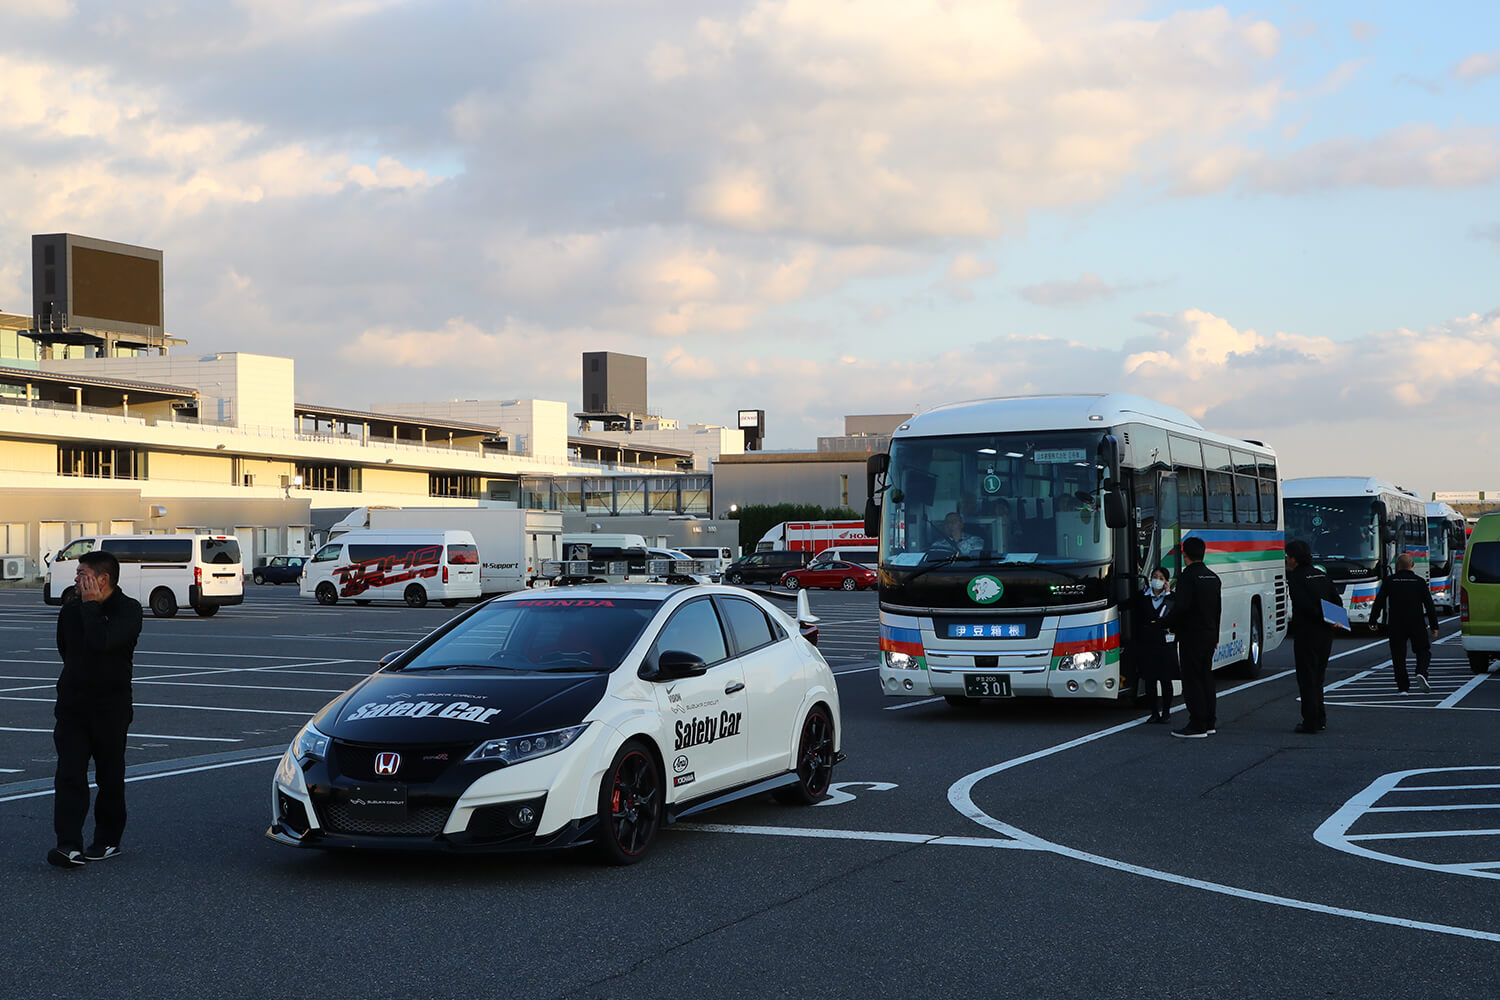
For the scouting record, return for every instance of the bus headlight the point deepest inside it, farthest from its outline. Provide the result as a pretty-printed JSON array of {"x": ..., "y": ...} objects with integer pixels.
[
  {"x": 1079, "y": 661},
  {"x": 900, "y": 661}
]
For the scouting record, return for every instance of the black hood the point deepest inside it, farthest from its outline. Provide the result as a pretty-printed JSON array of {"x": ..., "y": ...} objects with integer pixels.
[{"x": 458, "y": 705}]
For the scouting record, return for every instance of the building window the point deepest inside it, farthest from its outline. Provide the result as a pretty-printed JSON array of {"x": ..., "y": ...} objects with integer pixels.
[
  {"x": 329, "y": 476},
  {"x": 844, "y": 490},
  {"x": 100, "y": 462},
  {"x": 441, "y": 484}
]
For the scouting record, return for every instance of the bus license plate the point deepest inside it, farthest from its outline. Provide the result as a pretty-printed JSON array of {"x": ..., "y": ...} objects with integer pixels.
[{"x": 987, "y": 685}]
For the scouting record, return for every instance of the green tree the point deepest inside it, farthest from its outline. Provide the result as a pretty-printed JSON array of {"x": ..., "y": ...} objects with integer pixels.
[{"x": 758, "y": 518}]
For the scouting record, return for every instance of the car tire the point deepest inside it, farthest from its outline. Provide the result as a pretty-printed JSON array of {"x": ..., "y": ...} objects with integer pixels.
[
  {"x": 848, "y": 584},
  {"x": 259, "y": 579},
  {"x": 326, "y": 594},
  {"x": 69, "y": 593},
  {"x": 451, "y": 602},
  {"x": 814, "y": 761},
  {"x": 415, "y": 596},
  {"x": 735, "y": 578},
  {"x": 1479, "y": 663},
  {"x": 363, "y": 604},
  {"x": 163, "y": 603},
  {"x": 631, "y": 797},
  {"x": 207, "y": 610},
  {"x": 791, "y": 583}
]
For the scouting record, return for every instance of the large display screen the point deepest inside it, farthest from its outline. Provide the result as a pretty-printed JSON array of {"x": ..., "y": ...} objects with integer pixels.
[{"x": 115, "y": 287}]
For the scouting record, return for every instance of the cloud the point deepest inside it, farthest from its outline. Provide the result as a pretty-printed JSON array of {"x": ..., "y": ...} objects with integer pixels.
[
  {"x": 1409, "y": 156},
  {"x": 1477, "y": 67},
  {"x": 1088, "y": 287},
  {"x": 1363, "y": 31},
  {"x": 1490, "y": 232},
  {"x": 55, "y": 10}
]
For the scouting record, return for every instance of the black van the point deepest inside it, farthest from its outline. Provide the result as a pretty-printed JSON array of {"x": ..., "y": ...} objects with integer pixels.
[{"x": 765, "y": 567}]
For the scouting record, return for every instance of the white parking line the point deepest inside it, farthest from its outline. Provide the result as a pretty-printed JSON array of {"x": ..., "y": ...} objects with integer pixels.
[
  {"x": 153, "y": 736},
  {"x": 195, "y": 708},
  {"x": 151, "y": 777},
  {"x": 929, "y": 839},
  {"x": 911, "y": 704}
]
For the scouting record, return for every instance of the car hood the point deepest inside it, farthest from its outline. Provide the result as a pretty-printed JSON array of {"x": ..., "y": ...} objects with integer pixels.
[{"x": 459, "y": 705}]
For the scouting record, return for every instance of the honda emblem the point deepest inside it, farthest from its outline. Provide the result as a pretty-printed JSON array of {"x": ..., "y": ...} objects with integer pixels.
[{"x": 387, "y": 763}]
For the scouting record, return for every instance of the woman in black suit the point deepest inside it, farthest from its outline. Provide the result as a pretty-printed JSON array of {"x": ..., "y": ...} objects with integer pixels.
[{"x": 1153, "y": 652}]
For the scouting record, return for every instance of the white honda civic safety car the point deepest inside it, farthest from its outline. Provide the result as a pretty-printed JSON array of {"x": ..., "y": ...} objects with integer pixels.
[{"x": 584, "y": 715}]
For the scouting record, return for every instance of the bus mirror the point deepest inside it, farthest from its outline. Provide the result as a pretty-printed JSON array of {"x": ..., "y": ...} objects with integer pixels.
[
  {"x": 1109, "y": 456},
  {"x": 876, "y": 467},
  {"x": 1115, "y": 515},
  {"x": 872, "y": 518}
]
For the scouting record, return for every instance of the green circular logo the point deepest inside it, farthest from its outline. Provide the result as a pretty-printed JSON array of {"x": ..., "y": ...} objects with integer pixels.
[
  {"x": 985, "y": 590},
  {"x": 991, "y": 484}
]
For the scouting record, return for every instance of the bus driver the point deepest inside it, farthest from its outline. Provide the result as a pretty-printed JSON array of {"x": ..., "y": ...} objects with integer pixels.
[{"x": 953, "y": 542}]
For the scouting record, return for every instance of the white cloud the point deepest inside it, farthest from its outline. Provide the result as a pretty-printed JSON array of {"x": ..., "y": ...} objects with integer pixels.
[
  {"x": 1477, "y": 66},
  {"x": 55, "y": 10}
]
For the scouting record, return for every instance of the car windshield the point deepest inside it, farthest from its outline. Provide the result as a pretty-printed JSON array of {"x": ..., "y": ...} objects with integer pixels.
[
  {"x": 540, "y": 635},
  {"x": 1342, "y": 531},
  {"x": 994, "y": 499}
]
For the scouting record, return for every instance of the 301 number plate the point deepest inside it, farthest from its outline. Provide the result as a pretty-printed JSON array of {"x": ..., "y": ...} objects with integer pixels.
[{"x": 987, "y": 685}]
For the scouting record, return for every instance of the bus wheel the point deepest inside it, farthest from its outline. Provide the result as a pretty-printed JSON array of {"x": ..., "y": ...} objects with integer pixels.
[
  {"x": 1479, "y": 663},
  {"x": 326, "y": 594},
  {"x": 1251, "y": 665},
  {"x": 163, "y": 604},
  {"x": 416, "y": 597}
]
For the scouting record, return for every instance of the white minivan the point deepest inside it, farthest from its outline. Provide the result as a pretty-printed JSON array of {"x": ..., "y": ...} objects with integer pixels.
[
  {"x": 864, "y": 555},
  {"x": 410, "y": 566},
  {"x": 163, "y": 572}
]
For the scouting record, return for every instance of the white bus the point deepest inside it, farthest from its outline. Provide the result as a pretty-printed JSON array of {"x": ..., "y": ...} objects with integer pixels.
[
  {"x": 409, "y": 566},
  {"x": 1447, "y": 537},
  {"x": 163, "y": 572},
  {"x": 1356, "y": 526},
  {"x": 1067, "y": 504}
]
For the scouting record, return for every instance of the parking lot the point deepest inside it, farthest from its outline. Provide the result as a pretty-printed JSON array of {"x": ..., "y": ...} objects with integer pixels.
[{"x": 1019, "y": 849}]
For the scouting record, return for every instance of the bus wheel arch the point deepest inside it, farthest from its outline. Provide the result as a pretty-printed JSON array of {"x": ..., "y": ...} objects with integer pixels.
[{"x": 1255, "y": 643}]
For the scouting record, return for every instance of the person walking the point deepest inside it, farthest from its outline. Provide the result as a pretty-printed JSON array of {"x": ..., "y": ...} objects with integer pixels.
[
  {"x": 1312, "y": 637},
  {"x": 1407, "y": 599},
  {"x": 1152, "y": 650},
  {"x": 96, "y": 636},
  {"x": 1197, "y": 605}
]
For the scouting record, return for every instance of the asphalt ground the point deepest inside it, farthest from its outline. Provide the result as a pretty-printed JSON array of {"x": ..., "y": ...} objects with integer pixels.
[{"x": 1017, "y": 849}]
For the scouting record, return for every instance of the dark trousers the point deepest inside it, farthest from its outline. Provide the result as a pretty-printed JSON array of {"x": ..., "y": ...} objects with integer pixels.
[
  {"x": 81, "y": 733},
  {"x": 1197, "y": 659},
  {"x": 1419, "y": 645},
  {"x": 1312, "y": 648}
]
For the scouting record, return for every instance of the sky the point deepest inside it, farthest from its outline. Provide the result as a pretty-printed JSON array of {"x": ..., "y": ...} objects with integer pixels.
[{"x": 1281, "y": 217}]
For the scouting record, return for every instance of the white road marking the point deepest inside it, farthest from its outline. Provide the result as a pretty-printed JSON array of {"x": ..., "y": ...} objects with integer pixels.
[
  {"x": 1457, "y": 696},
  {"x": 151, "y": 777},
  {"x": 243, "y": 687},
  {"x": 911, "y": 704},
  {"x": 154, "y": 736},
  {"x": 929, "y": 839},
  {"x": 196, "y": 708}
]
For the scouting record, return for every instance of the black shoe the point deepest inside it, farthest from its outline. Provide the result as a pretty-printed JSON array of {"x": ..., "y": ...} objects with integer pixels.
[
  {"x": 1153, "y": 717},
  {"x": 1303, "y": 727},
  {"x": 1422, "y": 683},
  {"x": 1190, "y": 733},
  {"x": 60, "y": 857},
  {"x": 98, "y": 853}
]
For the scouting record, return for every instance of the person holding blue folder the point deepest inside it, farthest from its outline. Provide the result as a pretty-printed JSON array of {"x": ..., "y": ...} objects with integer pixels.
[{"x": 1312, "y": 634}]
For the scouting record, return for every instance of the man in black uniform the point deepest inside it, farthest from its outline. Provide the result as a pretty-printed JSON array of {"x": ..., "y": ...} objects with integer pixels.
[
  {"x": 1196, "y": 609},
  {"x": 96, "y": 635},
  {"x": 1312, "y": 637},
  {"x": 1407, "y": 596}
]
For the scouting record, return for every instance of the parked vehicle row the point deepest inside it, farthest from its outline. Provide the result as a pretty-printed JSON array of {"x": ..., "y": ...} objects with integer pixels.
[{"x": 163, "y": 572}]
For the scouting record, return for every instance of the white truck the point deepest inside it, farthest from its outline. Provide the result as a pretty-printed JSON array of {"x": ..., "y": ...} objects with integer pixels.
[
  {"x": 814, "y": 536},
  {"x": 513, "y": 543}
]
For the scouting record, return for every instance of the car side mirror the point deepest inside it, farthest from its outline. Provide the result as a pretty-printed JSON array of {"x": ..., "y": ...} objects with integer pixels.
[
  {"x": 675, "y": 664},
  {"x": 391, "y": 657}
]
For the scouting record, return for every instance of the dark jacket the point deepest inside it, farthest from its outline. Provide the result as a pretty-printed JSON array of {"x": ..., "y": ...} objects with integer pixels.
[
  {"x": 1196, "y": 605},
  {"x": 1308, "y": 587},
  {"x": 1152, "y": 657},
  {"x": 97, "y": 642},
  {"x": 1407, "y": 596}
]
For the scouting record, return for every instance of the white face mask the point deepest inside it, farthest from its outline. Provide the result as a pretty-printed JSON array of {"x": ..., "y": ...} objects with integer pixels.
[{"x": 1158, "y": 584}]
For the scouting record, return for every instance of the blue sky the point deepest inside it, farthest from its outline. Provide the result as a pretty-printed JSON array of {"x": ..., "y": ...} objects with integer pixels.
[{"x": 1282, "y": 217}]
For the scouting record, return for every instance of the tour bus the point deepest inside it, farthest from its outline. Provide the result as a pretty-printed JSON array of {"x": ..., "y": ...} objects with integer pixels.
[
  {"x": 1356, "y": 526},
  {"x": 410, "y": 566},
  {"x": 1067, "y": 503},
  {"x": 163, "y": 572},
  {"x": 1447, "y": 536}
]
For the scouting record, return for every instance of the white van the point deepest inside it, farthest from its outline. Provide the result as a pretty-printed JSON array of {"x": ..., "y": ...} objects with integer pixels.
[
  {"x": 410, "y": 566},
  {"x": 163, "y": 572},
  {"x": 863, "y": 555}
]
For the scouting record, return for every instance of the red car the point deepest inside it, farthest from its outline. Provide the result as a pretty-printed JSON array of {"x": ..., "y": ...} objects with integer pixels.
[{"x": 840, "y": 575}]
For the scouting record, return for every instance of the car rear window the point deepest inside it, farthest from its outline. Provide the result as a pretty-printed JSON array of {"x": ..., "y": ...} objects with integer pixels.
[
  {"x": 220, "y": 551},
  {"x": 540, "y": 635},
  {"x": 463, "y": 555},
  {"x": 1484, "y": 562},
  {"x": 749, "y": 623}
]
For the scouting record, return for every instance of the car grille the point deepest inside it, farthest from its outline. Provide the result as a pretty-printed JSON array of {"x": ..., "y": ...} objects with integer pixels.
[
  {"x": 419, "y": 764},
  {"x": 421, "y": 821}
]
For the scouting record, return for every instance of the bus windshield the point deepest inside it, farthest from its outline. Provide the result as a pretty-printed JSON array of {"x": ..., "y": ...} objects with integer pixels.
[
  {"x": 1437, "y": 540},
  {"x": 1342, "y": 531},
  {"x": 994, "y": 499}
]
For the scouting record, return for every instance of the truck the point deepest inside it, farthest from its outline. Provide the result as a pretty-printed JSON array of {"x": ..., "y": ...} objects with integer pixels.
[
  {"x": 814, "y": 536},
  {"x": 513, "y": 543}
]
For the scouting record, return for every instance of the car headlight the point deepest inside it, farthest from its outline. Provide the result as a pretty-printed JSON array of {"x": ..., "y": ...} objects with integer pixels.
[
  {"x": 900, "y": 661},
  {"x": 1078, "y": 661},
  {"x": 514, "y": 749},
  {"x": 309, "y": 743}
]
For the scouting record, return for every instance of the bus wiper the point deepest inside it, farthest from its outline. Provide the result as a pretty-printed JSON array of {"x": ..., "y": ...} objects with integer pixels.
[{"x": 955, "y": 557}]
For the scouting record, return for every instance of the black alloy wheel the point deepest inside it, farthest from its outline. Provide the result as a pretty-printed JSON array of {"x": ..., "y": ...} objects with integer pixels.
[
  {"x": 326, "y": 594},
  {"x": 163, "y": 603},
  {"x": 630, "y": 805},
  {"x": 849, "y": 584},
  {"x": 415, "y": 596},
  {"x": 814, "y": 761},
  {"x": 207, "y": 610}
]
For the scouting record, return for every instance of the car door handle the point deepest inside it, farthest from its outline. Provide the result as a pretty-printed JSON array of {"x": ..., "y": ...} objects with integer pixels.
[{"x": 733, "y": 687}]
